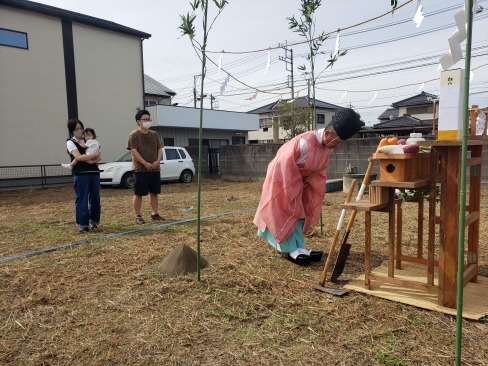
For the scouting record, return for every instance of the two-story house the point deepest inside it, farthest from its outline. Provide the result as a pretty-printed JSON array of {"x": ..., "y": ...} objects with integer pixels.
[
  {"x": 270, "y": 128},
  {"x": 415, "y": 114},
  {"x": 58, "y": 64}
]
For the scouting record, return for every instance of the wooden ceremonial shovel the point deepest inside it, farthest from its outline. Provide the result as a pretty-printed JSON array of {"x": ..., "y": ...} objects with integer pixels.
[
  {"x": 320, "y": 286},
  {"x": 345, "y": 247}
]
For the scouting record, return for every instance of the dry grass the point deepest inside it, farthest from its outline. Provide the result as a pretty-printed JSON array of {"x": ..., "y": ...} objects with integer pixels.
[{"x": 94, "y": 304}]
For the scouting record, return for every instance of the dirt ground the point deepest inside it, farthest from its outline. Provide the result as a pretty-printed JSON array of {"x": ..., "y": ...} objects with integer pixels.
[{"x": 94, "y": 302}]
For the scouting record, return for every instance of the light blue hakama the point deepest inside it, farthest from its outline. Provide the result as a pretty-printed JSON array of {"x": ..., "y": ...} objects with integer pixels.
[{"x": 292, "y": 243}]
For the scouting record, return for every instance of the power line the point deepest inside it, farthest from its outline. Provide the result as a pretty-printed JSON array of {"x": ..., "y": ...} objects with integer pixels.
[
  {"x": 406, "y": 65},
  {"x": 251, "y": 57}
]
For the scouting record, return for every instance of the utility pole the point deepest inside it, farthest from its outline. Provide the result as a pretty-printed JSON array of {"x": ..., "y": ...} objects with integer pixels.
[
  {"x": 288, "y": 59},
  {"x": 434, "y": 106}
]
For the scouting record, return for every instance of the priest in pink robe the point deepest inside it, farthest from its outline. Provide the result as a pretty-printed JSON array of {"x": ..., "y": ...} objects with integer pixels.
[{"x": 294, "y": 188}]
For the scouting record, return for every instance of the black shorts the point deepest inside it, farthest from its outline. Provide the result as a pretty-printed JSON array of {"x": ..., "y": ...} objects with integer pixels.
[{"x": 147, "y": 182}]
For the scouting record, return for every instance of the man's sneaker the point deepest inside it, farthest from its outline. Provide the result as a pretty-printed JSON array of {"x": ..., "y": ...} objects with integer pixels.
[
  {"x": 67, "y": 166},
  {"x": 83, "y": 230},
  {"x": 140, "y": 220},
  {"x": 93, "y": 227},
  {"x": 156, "y": 217}
]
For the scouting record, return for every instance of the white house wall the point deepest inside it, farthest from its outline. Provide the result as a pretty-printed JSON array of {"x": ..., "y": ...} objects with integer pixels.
[
  {"x": 422, "y": 116},
  {"x": 33, "y": 96},
  {"x": 171, "y": 116},
  {"x": 109, "y": 85},
  {"x": 181, "y": 136},
  {"x": 261, "y": 135},
  {"x": 33, "y": 106}
]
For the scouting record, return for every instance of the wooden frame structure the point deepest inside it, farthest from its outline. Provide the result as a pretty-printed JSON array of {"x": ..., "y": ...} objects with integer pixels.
[{"x": 445, "y": 163}]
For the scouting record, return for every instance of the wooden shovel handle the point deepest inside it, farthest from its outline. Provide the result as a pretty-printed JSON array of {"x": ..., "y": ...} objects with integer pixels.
[
  {"x": 360, "y": 194},
  {"x": 336, "y": 235},
  {"x": 343, "y": 254}
]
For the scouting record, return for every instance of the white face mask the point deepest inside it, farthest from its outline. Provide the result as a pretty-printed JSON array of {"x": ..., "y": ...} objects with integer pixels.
[
  {"x": 78, "y": 133},
  {"x": 146, "y": 125}
]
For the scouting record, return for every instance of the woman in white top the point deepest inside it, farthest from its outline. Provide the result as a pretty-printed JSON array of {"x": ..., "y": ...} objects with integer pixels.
[{"x": 86, "y": 178}]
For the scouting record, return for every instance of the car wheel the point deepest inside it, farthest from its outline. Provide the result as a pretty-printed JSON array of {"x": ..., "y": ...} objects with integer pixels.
[
  {"x": 127, "y": 180},
  {"x": 186, "y": 176}
]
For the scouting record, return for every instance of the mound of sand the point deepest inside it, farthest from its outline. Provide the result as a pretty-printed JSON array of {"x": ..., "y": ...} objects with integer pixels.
[{"x": 181, "y": 260}]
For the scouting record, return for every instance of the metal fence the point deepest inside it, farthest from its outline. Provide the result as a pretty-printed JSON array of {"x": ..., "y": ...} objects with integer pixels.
[{"x": 30, "y": 176}]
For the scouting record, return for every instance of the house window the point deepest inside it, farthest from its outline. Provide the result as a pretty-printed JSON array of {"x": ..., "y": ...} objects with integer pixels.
[
  {"x": 194, "y": 142},
  {"x": 150, "y": 103},
  {"x": 320, "y": 118},
  {"x": 238, "y": 140},
  {"x": 265, "y": 122},
  {"x": 215, "y": 143},
  {"x": 168, "y": 141},
  {"x": 13, "y": 39},
  {"x": 419, "y": 110}
]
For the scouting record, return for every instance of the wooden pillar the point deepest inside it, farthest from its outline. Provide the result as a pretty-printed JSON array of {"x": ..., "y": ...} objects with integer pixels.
[
  {"x": 450, "y": 168},
  {"x": 391, "y": 232},
  {"x": 434, "y": 164},
  {"x": 399, "y": 237},
  {"x": 420, "y": 228},
  {"x": 367, "y": 250},
  {"x": 474, "y": 207}
]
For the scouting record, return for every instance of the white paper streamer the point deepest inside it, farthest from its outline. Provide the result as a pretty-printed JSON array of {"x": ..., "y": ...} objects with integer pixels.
[
  {"x": 224, "y": 84},
  {"x": 460, "y": 18},
  {"x": 419, "y": 16},
  {"x": 446, "y": 61},
  {"x": 220, "y": 64},
  {"x": 455, "y": 52},
  {"x": 374, "y": 97},
  {"x": 337, "y": 45},
  {"x": 471, "y": 76},
  {"x": 421, "y": 86},
  {"x": 252, "y": 96},
  {"x": 268, "y": 63},
  {"x": 343, "y": 95},
  {"x": 455, "y": 47}
]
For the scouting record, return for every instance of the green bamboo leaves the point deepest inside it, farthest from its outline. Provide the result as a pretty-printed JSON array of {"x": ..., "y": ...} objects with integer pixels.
[{"x": 187, "y": 26}]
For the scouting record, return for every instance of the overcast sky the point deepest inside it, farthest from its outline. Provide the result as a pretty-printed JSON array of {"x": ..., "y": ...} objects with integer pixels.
[{"x": 388, "y": 57}]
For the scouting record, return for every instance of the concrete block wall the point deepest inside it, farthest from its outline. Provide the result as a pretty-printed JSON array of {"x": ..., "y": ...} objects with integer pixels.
[
  {"x": 246, "y": 162},
  {"x": 193, "y": 151},
  {"x": 250, "y": 162}
]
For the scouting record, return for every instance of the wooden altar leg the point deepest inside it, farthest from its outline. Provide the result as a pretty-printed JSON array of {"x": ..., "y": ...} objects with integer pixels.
[
  {"x": 450, "y": 161},
  {"x": 391, "y": 232},
  {"x": 434, "y": 162},
  {"x": 420, "y": 229},
  {"x": 474, "y": 206},
  {"x": 367, "y": 250},
  {"x": 399, "y": 237}
]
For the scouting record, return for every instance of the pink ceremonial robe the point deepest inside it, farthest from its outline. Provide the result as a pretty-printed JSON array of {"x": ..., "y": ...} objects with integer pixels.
[{"x": 290, "y": 192}]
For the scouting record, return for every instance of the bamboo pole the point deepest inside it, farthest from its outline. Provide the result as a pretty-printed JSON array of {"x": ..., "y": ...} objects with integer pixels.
[
  {"x": 462, "y": 198},
  {"x": 204, "y": 59}
]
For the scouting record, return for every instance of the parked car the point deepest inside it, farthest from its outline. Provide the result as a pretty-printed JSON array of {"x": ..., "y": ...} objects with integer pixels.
[{"x": 175, "y": 165}]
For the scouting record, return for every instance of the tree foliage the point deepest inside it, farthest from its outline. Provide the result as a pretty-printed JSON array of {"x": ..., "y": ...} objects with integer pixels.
[
  {"x": 305, "y": 26},
  {"x": 292, "y": 117}
]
